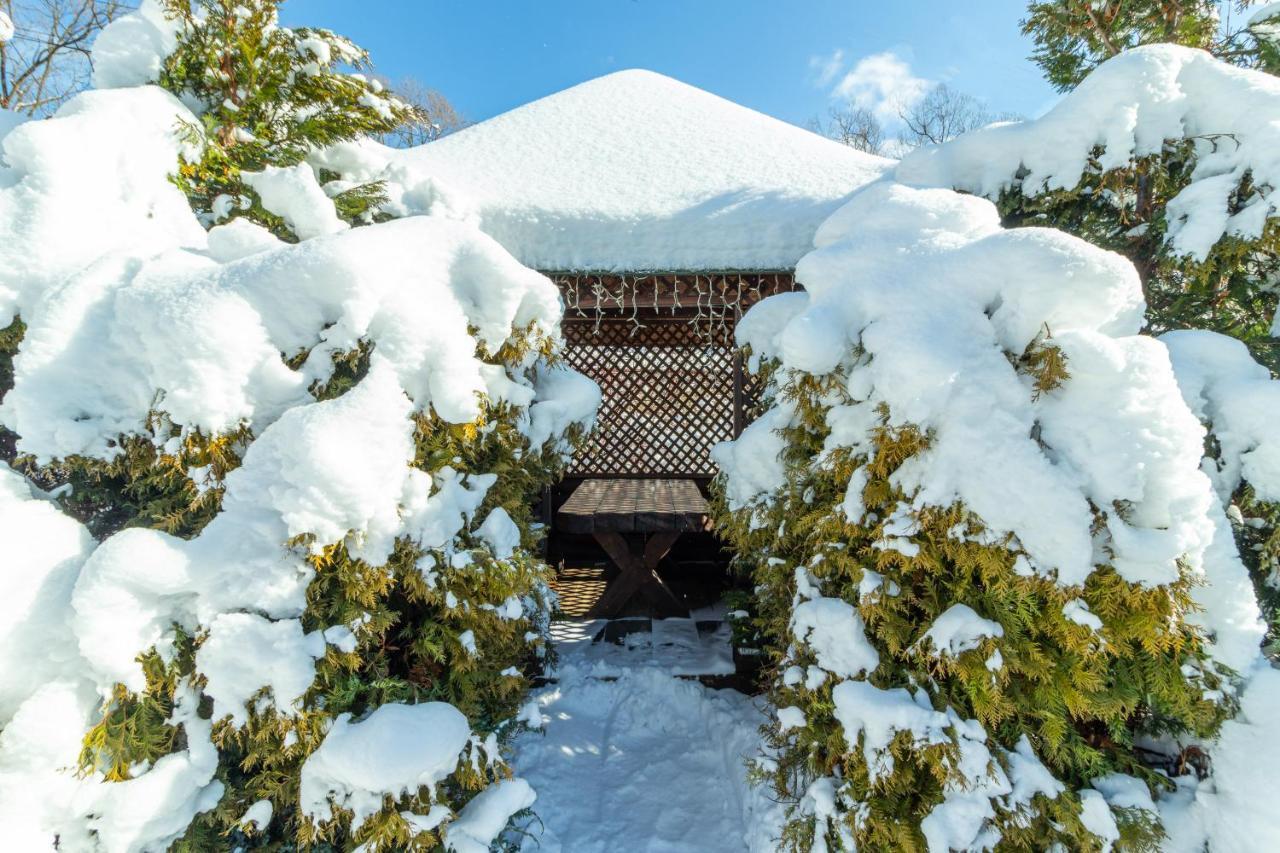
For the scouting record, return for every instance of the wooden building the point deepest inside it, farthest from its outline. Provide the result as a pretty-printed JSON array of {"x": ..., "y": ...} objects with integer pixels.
[{"x": 663, "y": 213}]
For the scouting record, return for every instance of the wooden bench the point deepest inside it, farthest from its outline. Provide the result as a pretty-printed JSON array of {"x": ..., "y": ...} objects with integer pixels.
[{"x": 660, "y": 510}]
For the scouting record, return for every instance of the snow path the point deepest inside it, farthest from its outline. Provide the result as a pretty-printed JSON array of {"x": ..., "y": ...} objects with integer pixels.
[{"x": 647, "y": 762}]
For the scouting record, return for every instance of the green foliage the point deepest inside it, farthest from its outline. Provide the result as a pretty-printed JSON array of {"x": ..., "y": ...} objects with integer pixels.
[
  {"x": 1073, "y": 36},
  {"x": 1257, "y": 531},
  {"x": 134, "y": 729},
  {"x": 1082, "y": 698},
  {"x": 163, "y": 479},
  {"x": 269, "y": 96},
  {"x": 1232, "y": 291},
  {"x": 1235, "y": 290},
  {"x": 408, "y": 616}
]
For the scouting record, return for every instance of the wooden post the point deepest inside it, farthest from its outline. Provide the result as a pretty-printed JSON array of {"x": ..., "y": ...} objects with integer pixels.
[
  {"x": 547, "y": 517},
  {"x": 739, "y": 397}
]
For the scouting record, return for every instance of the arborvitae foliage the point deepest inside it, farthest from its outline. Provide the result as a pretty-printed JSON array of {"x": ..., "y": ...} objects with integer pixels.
[
  {"x": 1234, "y": 290},
  {"x": 1081, "y": 697},
  {"x": 408, "y": 616},
  {"x": 1073, "y": 36},
  {"x": 457, "y": 624},
  {"x": 269, "y": 96}
]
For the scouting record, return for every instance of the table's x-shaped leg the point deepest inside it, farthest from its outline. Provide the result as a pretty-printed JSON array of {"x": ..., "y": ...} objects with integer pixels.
[{"x": 637, "y": 572}]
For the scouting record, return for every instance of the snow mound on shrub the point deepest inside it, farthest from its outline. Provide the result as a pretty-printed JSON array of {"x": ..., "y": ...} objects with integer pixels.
[
  {"x": 66, "y": 204},
  {"x": 281, "y": 658},
  {"x": 44, "y": 552},
  {"x": 483, "y": 819},
  {"x": 208, "y": 337},
  {"x": 933, "y": 291},
  {"x": 394, "y": 750},
  {"x": 1239, "y": 401},
  {"x": 138, "y": 324},
  {"x": 130, "y": 51},
  {"x": 324, "y": 470},
  {"x": 39, "y": 798},
  {"x": 912, "y": 299},
  {"x": 1130, "y": 106},
  {"x": 1231, "y": 809}
]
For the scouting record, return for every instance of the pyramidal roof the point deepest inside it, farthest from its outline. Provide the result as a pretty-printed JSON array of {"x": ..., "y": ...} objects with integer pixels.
[{"x": 637, "y": 171}]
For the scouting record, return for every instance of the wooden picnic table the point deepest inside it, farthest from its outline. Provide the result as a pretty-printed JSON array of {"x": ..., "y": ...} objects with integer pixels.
[{"x": 656, "y": 512}]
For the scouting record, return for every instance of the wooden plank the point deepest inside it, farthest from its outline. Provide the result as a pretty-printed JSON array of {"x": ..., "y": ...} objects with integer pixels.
[
  {"x": 626, "y": 505},
  {"x": 689, "y": 508},
  {"x": 577, "y": 514},
  {"x": 653, "y": 507},
  {"x": 616, "y": 510}
]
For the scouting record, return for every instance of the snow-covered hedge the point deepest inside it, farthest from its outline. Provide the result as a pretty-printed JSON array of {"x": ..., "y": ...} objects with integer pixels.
[
  {"x": 1003, "y": 599},
  {"x": 1238, "y": 402},
  {"x": 1132, "y": 107},
  {"x": 1163, "y": 154},
  {"x": 1169, "y": 156},
  {"x": 336, "y": 643}
]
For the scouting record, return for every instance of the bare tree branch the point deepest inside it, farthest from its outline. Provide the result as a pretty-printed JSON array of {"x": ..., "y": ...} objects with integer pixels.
[
  {"x": 47, "y": 59},
  {"x": 942, "y": 115},
  {"x": 853, "y": 126},
  {"x": 438, "y": 117}
]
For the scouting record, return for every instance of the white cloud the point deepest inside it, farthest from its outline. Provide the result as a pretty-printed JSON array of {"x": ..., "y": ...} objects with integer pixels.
[
  {"x": 825, "y": 68},
  {"x": 884, "y": 84}
]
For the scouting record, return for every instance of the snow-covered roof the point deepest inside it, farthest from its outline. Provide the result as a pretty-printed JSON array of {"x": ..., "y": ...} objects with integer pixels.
[{"x": 637, "y": 171}]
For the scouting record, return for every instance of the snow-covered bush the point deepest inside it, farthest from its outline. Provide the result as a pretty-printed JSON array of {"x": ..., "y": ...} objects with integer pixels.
[
  {"x": 1169, "y": 156},
  {"x": 267, "y": 98},
  {"x": 1003, "y": 600},
  {"x": 320, "y": 620},
  {"x": 1238, "y": 402},
  {"x": 1164, "y": 154}
]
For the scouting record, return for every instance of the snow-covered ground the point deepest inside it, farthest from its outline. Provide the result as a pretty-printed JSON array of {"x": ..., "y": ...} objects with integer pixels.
[
  {"x": 697, "y": 645},
  {"x": 645, "y": 761}
]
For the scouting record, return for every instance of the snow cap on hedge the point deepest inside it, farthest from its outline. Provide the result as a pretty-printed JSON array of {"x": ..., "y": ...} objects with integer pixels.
[
  {"x": 920, "y": 309},
  {"x": 1130, "y": 106}
]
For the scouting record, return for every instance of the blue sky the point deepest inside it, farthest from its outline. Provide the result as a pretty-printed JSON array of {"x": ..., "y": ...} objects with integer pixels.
[{"x": 787, "y": 58}]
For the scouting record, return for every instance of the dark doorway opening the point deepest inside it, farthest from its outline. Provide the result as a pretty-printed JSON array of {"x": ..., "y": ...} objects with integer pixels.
[{"x": 673, "y": 384}]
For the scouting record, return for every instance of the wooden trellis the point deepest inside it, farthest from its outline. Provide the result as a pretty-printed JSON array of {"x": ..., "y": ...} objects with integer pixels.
[{"x": 661, "y": 347}]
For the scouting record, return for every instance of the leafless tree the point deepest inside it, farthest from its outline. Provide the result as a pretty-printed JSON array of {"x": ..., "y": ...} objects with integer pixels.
[
  {"x": 942, "y": 115},
  {"x": 853, "y": 126},
  {"x": 46, "y": 60},
  {"x": 438, "y": 116}
]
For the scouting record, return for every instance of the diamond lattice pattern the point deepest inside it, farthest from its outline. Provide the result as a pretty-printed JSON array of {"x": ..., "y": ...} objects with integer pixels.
[{"x": 668, "y": 394}]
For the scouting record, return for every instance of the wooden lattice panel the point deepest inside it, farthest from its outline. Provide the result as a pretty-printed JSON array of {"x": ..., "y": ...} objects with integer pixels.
[
  {"x": 667, "y": 395},
  {"x": 661, "y": 347}
]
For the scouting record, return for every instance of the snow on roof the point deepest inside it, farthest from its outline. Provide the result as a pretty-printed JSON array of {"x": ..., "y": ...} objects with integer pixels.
[{"x": 637, "y": 171}]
